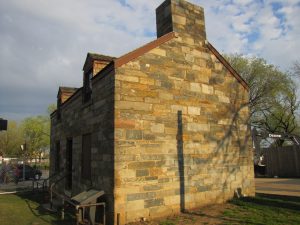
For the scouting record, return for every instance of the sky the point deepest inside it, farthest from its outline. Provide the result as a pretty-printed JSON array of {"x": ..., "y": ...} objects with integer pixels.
[{"x": 43, "y": 43}]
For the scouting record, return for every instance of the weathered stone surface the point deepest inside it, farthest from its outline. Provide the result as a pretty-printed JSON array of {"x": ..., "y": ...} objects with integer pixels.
[
  {"x": 134, "y": 134},
  {"x": 157, "y": 128},
  {"x": 142, "y": 173},
  {"x": 154, "y": 202},
  {"x": 134, "y": 105},
  {"x": 193, "y": 110},
  {"x": 161, "y": 122}
]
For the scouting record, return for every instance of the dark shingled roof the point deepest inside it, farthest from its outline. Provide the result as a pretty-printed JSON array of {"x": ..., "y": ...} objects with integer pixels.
[
  {"x": 67, "y": 89},
  {"x": 93, "y": 56},
  {"x": 101, "y": 57}
]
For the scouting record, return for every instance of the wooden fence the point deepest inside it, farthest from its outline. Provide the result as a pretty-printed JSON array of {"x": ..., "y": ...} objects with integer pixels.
[{"x": 283, "y": 161}]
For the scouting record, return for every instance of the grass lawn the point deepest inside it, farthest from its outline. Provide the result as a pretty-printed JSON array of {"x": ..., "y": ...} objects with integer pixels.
[
  {"x": 261, "y": 210},
  {"x": 25, "y": 209},
  {"x": 265, "y": 209}
]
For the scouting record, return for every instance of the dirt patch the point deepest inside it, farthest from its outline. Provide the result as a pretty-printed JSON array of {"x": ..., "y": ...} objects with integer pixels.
[{"x": 209, "y": 215}]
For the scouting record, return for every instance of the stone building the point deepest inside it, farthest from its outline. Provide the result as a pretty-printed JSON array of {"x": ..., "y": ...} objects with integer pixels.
[{"x": 161, "y": 129}]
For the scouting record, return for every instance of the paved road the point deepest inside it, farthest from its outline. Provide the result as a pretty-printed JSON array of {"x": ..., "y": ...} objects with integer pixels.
[{"x": 278, "y": 186}]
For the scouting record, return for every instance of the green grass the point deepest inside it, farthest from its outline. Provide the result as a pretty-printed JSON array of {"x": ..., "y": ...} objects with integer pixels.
[
  {"x": 25, "y": 209},
  {"x": 264, "y": 210}
]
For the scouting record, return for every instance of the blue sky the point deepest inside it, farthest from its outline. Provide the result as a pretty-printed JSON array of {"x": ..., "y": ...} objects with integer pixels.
[{"x": 43, "y": 44}]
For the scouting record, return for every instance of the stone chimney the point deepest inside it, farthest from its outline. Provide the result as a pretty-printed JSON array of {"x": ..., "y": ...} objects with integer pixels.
[{"x": 182, "y": 17}]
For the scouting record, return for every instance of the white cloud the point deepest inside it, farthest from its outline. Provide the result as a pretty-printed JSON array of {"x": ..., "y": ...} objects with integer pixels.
[{"x": 43, "y": 44}]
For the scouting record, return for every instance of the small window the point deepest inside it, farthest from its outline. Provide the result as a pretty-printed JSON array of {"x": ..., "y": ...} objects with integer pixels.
[
  {"x": 87, "y": 86},
  {"x": 86, "y": 157},
  {"x": 57, "y": 156}
]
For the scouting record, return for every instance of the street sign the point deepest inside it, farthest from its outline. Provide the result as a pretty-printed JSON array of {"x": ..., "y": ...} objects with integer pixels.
[{"x": 275, "y": 135}]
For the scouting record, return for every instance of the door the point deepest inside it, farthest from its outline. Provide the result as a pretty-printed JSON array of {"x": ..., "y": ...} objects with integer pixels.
[{"x": 69, "y": 154}]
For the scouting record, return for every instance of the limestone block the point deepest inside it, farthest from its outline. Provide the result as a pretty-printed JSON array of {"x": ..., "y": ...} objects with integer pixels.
[
  {"x": 134, "y": 65},
  {"x": 188, "y": 40},
  {"x": 195, "y": 87},
  {"x": 158, "y": 51},
  {"x": 197, "y": 53},
  {"x": 134, "y": 105},
  {"x": 219, "y": 93},
  {"x": 141, "y": 165},
  {"x": 185, "y": 49},
  {"x": 157, "y": 128},
  {"x": 189, "y": 58},
  {"x": 135, "y": 205},
  {"x": 132, "y": 98},
  {"x": 179, "y": 19},
  {"x": 225, "y": 122},
  {"x": 127, "y": 78},
  {"x": 146, "y": 80},
  {"x": 134, "y": 134},
  {"x": 142, "y": 173},
  {"x": 152, "y": 100},
  {"x": 196, "y": 127},
  {"x": 194, "y": 110},
  {"x": 177, "y": 108},
  {"x": 123, "y": 123},
  {"x": 206, "y": 89},
  {"x": 224, "y": 99},
  {"x": 196, "y": 67},
  {"x": 166, "y": 96}
]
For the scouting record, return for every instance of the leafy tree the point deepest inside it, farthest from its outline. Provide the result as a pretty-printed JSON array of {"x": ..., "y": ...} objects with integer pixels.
[
  {"x": 273, "y": 100},
  {"x": 37, "y": 135},
  {"x": 51, "y": 108},
  {"x": 281, "y": 117},
  {"x": 296, "y": 69},
  {"x": 11, "y": 140}
]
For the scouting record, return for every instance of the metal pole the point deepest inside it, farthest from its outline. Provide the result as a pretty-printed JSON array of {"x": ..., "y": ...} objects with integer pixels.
[{"x": 25, "y": 150}]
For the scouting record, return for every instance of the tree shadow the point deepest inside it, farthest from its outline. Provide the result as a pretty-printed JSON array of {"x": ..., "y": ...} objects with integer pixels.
[
  {"x": 226, "y": 164},
  {"x": 33, "y": 198},
  {"x": 275, "y": 201}
]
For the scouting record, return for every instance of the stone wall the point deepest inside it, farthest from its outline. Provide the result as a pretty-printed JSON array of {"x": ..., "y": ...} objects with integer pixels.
[
  {"x": 77, "y": 119},
  {"x": 182, "y": 17},
  {"x": 168, "y": 128},
  {"x": 181, "y": 139}
]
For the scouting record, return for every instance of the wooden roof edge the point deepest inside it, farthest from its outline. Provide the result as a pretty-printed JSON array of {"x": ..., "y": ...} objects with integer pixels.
[
  {"x": 142, "y": 50},
  {"x": 66, "y": 89},
  {"x": 106, "y": 70},
  {"x": 69, "y": 99},
  {"x": 97, "y": 57},
  {"x": 227, "y": 65}
]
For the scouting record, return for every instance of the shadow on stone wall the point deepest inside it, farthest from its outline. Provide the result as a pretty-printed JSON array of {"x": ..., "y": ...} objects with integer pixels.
[
  {"x": 229, "y": 165},
  {"x": 180, "y": 160}
]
